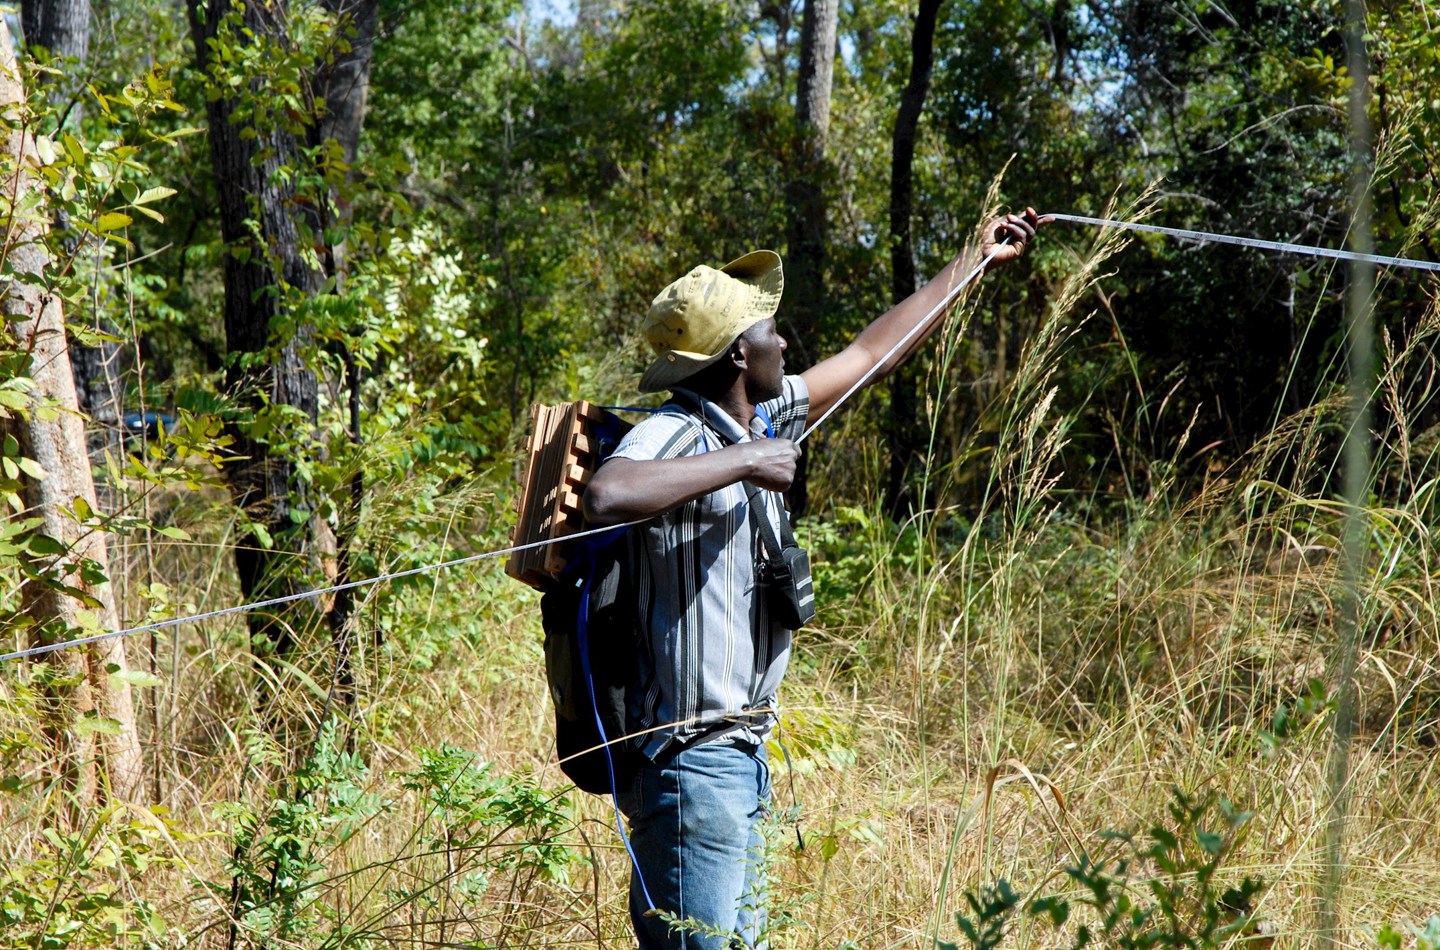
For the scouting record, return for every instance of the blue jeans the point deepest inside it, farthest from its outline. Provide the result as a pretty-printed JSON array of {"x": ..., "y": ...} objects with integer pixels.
[{"x": 693, "y": 825}]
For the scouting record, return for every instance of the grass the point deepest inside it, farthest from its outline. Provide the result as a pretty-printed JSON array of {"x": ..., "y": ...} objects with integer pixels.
[{"x": 981, "y": 699}]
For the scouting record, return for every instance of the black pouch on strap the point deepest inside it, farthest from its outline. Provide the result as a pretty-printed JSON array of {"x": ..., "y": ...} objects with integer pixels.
[{"x": 784, "y": 573}]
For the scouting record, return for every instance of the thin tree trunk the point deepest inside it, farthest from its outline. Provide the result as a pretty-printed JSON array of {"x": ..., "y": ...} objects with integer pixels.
[
  {"x": 805, "y": 262},
  {"x": 805, "y": 195},
  {"x": 58, "y": 446},
  {"x": 346, "y": 86},
  {"x": 265, "y": 269},
  {"x": 346, "y": 83},
  {"x": 906, "y": 433},
  {"x": 62, "y": 29}
]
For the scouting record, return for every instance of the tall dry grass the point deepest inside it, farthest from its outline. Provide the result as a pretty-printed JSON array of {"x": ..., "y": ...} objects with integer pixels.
[{"x": 978, "y": 701}]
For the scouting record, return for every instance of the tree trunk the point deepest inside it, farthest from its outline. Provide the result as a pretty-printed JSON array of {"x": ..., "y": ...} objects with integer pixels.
[
  {"x": 805, "y": 196},
  {"x": 62, "y": 29},
  {"x": 346, "y": 85},
  {"x": 266, "y": 269},
  {"x": 805, "y": 262},
  {"x": 906, "y": 432},
  {"x": 60, "y": 26},
  {"x": 58, "y": 445}
]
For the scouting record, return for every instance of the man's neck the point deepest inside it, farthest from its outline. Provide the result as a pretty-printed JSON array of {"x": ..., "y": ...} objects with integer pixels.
[{"x": 734, "y": 401}]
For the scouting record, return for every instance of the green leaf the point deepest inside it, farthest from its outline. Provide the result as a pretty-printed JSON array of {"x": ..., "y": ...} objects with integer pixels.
[
  {"x": 141, "y": 679},
  {"x": 42, "y": 545},
  {"x": 91, "y": 724},
  {"x": 170, "y": 531},
  {"x": 73, "y": 148},
  {"x": 1057, "y": 907},
  {"x": 111, "y": 221},
  {"x": 263, "y": 536},
  {"x": 32, "y": 468},
  {"x": 153, "y": 194},
  {"x": 181, "y": 133},
  {"x": 91, "y": 573},
  {"x": 29, "y": 202}
]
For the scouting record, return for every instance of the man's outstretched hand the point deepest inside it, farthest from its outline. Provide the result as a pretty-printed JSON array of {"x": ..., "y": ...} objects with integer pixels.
[{"x": 1018, "y": 228}]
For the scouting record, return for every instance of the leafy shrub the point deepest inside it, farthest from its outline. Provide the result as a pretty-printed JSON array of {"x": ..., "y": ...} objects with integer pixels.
[
  {"x": 79, "y": 888},
  {"x": 1163, "y": 890},
  {"x": 278, "y": 853}
]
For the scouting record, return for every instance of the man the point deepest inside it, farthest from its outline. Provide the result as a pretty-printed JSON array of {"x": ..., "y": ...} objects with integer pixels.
[{"x": 711, "y": 659}]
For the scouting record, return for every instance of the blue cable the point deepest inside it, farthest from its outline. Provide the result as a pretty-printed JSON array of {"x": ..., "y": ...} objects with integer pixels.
[{"x": 582, "y": 636}]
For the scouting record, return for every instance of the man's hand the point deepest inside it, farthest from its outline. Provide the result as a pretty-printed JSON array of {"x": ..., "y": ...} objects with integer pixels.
[
  {"x": 1017, "y": 228},
  {"x": 771, "y": 462}
]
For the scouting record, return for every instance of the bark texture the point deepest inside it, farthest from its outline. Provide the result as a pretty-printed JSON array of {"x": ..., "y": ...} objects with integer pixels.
[
  {"x": 805, "y": 261},
  {"x": 266, "y": 267},
  {"x": 60, "y": 26},
  {"x": 58, "y": 445},
  {"x": 345, "y": 86},
  {"x": 906, "y": 433},
  {"x": 808, "y": 226}
]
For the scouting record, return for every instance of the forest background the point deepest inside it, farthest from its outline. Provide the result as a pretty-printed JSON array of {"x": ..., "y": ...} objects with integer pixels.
[{"x": 282, "y": 279}]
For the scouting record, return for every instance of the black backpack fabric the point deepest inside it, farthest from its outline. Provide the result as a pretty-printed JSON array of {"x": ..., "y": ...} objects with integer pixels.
[
  {"x": 602, "y": 667},
  {"x": 591, "y": 645}
]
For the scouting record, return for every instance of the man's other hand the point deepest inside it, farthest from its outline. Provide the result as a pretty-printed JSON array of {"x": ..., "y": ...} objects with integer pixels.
[{"x": 1017, "y": 228}]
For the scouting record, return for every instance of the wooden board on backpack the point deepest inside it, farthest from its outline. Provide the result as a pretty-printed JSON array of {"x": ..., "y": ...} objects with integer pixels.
[{"x": 561, "y": 454}]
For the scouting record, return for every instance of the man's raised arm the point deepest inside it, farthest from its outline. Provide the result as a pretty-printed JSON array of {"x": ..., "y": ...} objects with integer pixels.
[{"x": 831, "y": 378}]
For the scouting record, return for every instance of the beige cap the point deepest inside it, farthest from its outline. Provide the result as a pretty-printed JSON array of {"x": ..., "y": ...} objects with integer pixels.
[{"x": 692, "y": 323}]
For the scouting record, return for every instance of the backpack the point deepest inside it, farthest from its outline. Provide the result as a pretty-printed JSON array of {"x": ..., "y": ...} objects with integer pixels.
[
  {"x": 591, "y": 641},
  {"x": 589, "y": 603}
]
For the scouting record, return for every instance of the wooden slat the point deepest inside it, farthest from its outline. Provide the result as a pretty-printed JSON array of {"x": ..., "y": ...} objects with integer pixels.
[{"x": 562, "y": 454}]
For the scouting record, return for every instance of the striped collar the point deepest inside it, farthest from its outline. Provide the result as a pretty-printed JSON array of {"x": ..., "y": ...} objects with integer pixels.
[{"x": 717, "y": 419}]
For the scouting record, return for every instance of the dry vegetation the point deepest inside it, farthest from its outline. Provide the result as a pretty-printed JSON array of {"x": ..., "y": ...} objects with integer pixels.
[{"x": 974, "y": 705}]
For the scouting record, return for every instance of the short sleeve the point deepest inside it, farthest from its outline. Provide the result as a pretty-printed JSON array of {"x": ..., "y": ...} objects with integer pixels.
[
  {"x": 646, "y": 441},
  {"x": 787, "y": 412}
]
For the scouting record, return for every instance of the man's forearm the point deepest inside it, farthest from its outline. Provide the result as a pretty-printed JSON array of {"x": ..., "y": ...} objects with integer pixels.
[
  {"x": 889, "y": 328},
  {"x": 626, "y": 490}
]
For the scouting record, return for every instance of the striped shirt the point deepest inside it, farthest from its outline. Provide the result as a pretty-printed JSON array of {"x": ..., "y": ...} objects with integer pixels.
[{"x": 711, "y": 659}]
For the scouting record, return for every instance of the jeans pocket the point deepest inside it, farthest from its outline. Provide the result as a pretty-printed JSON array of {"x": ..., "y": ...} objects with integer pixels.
[{"x": 631, "y": 798}]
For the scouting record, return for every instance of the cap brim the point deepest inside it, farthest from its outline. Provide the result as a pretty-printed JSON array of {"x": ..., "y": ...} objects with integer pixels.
[
  {"x": 755, "y": 264},
  {"x": 671, "y": 368}
]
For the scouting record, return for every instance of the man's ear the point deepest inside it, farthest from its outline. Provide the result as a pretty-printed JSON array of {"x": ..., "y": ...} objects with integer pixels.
[{"x": 738, "y": 356}]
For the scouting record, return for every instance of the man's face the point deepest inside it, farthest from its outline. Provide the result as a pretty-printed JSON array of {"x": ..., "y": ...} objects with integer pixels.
[{"x": 764, "y": 350}]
